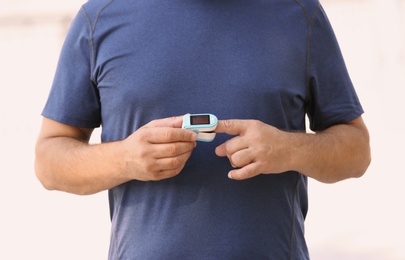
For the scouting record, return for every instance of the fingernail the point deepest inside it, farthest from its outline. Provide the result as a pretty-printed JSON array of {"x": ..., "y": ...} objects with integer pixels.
[{"x": 194, "y": 136}]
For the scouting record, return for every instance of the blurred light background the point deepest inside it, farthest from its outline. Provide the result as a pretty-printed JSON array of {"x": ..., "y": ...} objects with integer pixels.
[{"x": 354, "y": 219}]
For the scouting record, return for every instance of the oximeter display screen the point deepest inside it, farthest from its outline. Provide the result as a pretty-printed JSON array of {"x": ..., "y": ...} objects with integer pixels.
[{"x": 200, "y": 120}]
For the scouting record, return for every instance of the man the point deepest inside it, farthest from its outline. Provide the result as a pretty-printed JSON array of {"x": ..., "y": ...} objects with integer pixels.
[{"x": 136, "y": 66}]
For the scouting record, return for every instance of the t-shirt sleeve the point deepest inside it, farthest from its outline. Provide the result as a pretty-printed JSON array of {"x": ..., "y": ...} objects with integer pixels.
[
  {"x": 332, "y": 97},
  {"x": 74, "y": 98}
]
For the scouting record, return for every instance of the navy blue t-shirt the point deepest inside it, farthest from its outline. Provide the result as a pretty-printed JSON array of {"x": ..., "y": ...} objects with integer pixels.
[{"x": 125, "y": 63}]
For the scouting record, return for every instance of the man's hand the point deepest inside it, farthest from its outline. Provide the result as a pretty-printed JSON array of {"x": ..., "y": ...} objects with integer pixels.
[
  {"x": 337, "y": 153},
  {"x": 257, "y": 148},
  {"x": 159, "y": 150}
]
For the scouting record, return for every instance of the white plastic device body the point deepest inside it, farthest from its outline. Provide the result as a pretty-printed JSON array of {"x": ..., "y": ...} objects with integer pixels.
[{"x": 202, "y": 124}]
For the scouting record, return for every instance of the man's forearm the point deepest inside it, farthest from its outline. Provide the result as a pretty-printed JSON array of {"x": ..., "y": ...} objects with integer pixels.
[
  {"x": 338, "y": 153},
  {"x": 65, "y": 161},
  {"x": 67, "y": 164}
]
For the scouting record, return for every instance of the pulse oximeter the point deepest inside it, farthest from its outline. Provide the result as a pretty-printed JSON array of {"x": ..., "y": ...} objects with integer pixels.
[{"x": 202, "y": 124}]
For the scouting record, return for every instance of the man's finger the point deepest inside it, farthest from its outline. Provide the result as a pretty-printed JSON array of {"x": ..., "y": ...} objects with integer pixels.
[
  {"x": 221, "y": 150},
  {"x": 174, "y": 122},
  {"x": 159, "y": 135},
  {"x": 231, "y": 146},
  {"x": 170, "y": 150},
  {"x": 232, "y": 126},
  {"x": 173, "y": 163},
  {"x": 244, "y": 173}
]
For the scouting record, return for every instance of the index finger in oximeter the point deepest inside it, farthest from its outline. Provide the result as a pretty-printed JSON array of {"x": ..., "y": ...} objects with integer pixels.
[{"x": 202, "y": 124}]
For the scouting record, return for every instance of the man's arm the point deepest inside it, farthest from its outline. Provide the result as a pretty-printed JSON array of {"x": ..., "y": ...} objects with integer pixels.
[
  {"x": 340, "y": 152},
  {"x": 66, "y": 161}
]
